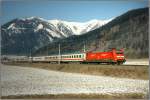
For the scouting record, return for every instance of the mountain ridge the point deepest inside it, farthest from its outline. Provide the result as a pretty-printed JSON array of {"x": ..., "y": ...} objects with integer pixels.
[
  {"x": 33, "y": 33},
  {"x": 128, "y": 31}
]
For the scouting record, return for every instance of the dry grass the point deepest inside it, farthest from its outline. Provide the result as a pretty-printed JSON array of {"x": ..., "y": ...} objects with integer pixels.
[
  {"x": 79, "y": 96},
  {"x": 134, "y": 72}
]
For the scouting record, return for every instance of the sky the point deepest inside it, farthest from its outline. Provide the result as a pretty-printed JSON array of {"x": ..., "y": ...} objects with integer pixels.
[{"x": 69, "y": 10}]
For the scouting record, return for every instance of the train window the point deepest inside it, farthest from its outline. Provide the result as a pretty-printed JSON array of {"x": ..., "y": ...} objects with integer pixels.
[{"x": 79, "y": 56}]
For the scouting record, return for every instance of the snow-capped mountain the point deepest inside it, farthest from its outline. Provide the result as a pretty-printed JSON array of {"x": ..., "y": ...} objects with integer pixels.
[
  {"x": 54, "y": 28},
  {"x": 26, "y": 34},
  {"x": 79, "y": 28}
]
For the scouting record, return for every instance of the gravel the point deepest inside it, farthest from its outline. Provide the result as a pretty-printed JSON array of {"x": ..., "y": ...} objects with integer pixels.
[
  {"x": 27, "y": 81},
  {"x": 137, "y": 62}
]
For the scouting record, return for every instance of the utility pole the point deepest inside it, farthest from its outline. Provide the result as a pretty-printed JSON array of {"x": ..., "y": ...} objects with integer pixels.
[
  {"x": 84, "y": 47},
  {"x": 59, "y": 57},
  {"x": 30, "y": 52},
  {"x": 30, "y": 56},
  {"x": 47, "y": 50}
]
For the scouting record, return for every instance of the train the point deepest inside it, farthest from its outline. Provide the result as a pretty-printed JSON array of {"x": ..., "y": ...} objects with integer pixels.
[{"x": 112, "y": 56}]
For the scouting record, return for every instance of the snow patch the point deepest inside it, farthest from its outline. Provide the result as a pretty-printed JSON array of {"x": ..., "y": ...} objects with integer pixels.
[
  {"x": 54, "y": 34},
  {"x": 40, "y": 26},
  {"x": 11, "y": 26}
]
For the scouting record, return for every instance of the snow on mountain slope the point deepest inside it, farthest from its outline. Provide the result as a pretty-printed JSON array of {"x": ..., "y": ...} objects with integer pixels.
[
  {"x": 79, "y": 28},
  {"x": 35, "y": 32},
  {"x": 56, "y": 28}
]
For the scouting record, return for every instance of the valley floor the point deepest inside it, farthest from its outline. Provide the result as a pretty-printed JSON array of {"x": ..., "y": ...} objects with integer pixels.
[{"x": 26, "y": 82}]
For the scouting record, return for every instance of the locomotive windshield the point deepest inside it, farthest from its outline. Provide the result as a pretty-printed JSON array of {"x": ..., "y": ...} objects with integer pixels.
[{"x": 119, "y": 52}]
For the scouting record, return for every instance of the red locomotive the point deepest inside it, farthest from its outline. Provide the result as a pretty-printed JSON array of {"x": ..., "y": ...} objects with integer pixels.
[{"x": 110, "y": 57}]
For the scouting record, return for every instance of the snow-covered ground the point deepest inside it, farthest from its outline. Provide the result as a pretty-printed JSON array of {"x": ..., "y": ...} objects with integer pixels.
[
  {"x": 137, "y": 62},
  {"x": 21, "y": 81}
]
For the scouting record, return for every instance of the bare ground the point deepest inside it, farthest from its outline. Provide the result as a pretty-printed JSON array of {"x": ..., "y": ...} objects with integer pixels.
[
  {"x": 28, "y": 83},
  {"x": 123, "y": 71}
]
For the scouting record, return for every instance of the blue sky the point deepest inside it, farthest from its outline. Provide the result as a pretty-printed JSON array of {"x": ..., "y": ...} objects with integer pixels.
[{"x": 69, "y": 10}]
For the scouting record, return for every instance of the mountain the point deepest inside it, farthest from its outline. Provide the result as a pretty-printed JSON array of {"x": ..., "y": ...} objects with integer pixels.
[
  {"x": 79, "y": 28},
  {"x": 22, "y": 36},
  {"x": 128, "y": 31}
]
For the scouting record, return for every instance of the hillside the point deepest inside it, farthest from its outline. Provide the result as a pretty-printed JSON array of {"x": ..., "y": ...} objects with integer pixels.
[
  {"x": 22, "y": 36},
  {"x": 128, "y": 31}
]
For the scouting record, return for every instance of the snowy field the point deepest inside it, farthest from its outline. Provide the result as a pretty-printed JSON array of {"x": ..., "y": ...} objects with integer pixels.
[
  {"x": 27, "y": 81},
  {"x": 137, "y": 62}
]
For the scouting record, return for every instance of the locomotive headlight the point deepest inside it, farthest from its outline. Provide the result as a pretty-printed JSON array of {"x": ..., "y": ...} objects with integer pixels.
[{"x": 120, "y": 56}]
